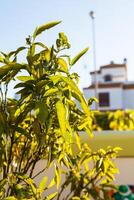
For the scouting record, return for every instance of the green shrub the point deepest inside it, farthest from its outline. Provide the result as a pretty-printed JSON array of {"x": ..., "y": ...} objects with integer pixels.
[{"x": 44, "y": 122}]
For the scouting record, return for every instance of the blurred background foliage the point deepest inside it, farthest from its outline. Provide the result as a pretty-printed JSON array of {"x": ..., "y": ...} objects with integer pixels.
[{"x": 113, "y": 120}]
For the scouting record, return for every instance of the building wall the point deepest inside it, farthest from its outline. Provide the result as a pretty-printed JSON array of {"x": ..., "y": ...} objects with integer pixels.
[
  {"x": 128, "y": 99},
  {"x": 116, "y": 94},
  {"x": 118, "y": 74},
  {"x": 99, "y": 78}
]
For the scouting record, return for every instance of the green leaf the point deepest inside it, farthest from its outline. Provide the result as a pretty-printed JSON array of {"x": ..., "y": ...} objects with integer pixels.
[
  {"x": 47, "y": 55},
  {"x": 3, "y": 183},
  {"x": 55, "y": 79},
  {"x": 16, "y": 52},
  {"x": 91, "y": 100},
  {"x": 44, "y": 27},
  {"x": 41, "y": 45},
  {"x": 63, "y": 65},
  {"x": 57, "y": 176},
  {"x": 51, "y": 196},
  {"x": 61, "y": 114},
  {"x": 52, "y": 183},
  {"x": 50, "y": 92},
  {"x": 43, "y": 112},
  {"x": 78, "y": 140},
  {"x": 88, "y": 130},
  {"x": 78, "y": 56},
  {"x": 76, "y": 198},
  {"x": 72, "y": 84},
  {"x": 10, "y": 198},
  {"x": 1, "y": 59},
  {"x": 42, "y": 184},
  {"x": 77, "y": 94},
  {"x": 12, "y": 66},
  {"x": 25, "y": 78},
  {"x": 20, "y": 110}
]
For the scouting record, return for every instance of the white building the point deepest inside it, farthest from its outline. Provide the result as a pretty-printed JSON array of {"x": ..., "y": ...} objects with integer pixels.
[{"x": 113, "y": 89}]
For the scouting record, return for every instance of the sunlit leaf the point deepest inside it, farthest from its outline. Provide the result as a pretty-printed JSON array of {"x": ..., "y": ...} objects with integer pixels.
[
  {"x": 78, "y": 56},
  {"x": 16, "y": 52},
  {"x": 57, "y": 176},
  {"x": 52, "y": 183},
  {"x": 51, "y": 91},
  {"x": 61, "y": 114},
  {"x": 25, "y": 78},
  {"x": 51, "y": 196},
  {"x": 10, "y": 198},
  {"x": 42, "y": 184},
  {"x": 43, "y": 112},
  {"x": 63, "y": 65},
  {"x": 44, "y": 27}
]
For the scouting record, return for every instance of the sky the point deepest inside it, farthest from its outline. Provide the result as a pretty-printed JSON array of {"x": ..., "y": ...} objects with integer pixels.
[{"x": 114, "y": 29}]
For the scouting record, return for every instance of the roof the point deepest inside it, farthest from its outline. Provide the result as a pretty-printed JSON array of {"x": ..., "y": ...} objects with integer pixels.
[
  {"x": 111, "y": 65},
  {"x": 125, "y": 85}
]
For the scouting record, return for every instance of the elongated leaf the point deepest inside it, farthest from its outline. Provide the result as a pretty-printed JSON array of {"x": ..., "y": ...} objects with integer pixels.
[
  {"x": 44, "y": 27},
  {"x": 55, "y": 79},
  {"x": 71, "y": 83},
  {"x": 63, "y": 65},
  {"x": 78, "y": 140},
  {"x": 78, "y": 56},
  {"x": 52, "y": 183},
  {"x": 12, "y": 66},
  {"x": 88, "y": 130},
  {"x": 10, "y": 198},
  {"x": 43, "y": 112},
  {"x": 41, "y": 45},
  {"x": 4, "y": 70},
  {"x": 16, "y": 52},
  {"x": 47, "y": 55},
  {"x": 25, "y": 78},
  {"x": 51, "y": 91},
  {"x": 42, "y": 184},
  {"x": 1, "y": 59},
  {"x": 77, "y": 93},
  {"x": 57, "y": 176},
  {"x": 23, "y": 85},
  {"x": 61, "y": 114},
  {"x": 51, "y": 196},
  {"x": 20, "y": 110}
]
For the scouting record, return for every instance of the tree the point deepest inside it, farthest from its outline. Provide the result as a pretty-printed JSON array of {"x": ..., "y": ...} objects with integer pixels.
[{"x": 44, "y": 122}]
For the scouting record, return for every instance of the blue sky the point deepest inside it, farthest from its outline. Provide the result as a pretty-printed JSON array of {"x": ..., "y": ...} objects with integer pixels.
[{"x": 114, "y": 28}]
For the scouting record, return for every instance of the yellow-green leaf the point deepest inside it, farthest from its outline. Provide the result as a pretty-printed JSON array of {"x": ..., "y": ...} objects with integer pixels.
[
  {"x": 78, "y": 56},
  {"x": 47, "y": 55},
  {"x": 57, "y": 176},
  {"x": 44, "y": 27},
  {"x": 10, "y": 198},
  {"x": 63, "y": 65},
  {"x": 42, "y": 184},
  {"x": 25, "y": 78},
  {"x": 42, "y": 111},
  {"x": 52, "y": 183},
  {"x": 51, "y": 91},
  {"x": 61, "y": 114},
  {"x": 51, "y": 196}
]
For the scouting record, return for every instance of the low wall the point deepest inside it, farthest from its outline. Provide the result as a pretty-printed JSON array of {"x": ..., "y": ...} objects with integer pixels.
[{"x": 102, "y": 139}]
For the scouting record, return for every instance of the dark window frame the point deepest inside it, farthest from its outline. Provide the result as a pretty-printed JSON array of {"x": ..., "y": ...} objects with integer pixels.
[
  {"x": 104, "y": 99},
  {"x": 108, "y": 78}
]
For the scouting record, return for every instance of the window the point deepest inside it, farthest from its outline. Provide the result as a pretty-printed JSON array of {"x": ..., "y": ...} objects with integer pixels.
[
  {"x": 104, "y": 99},
  {"x": 107, "y": 78}
]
